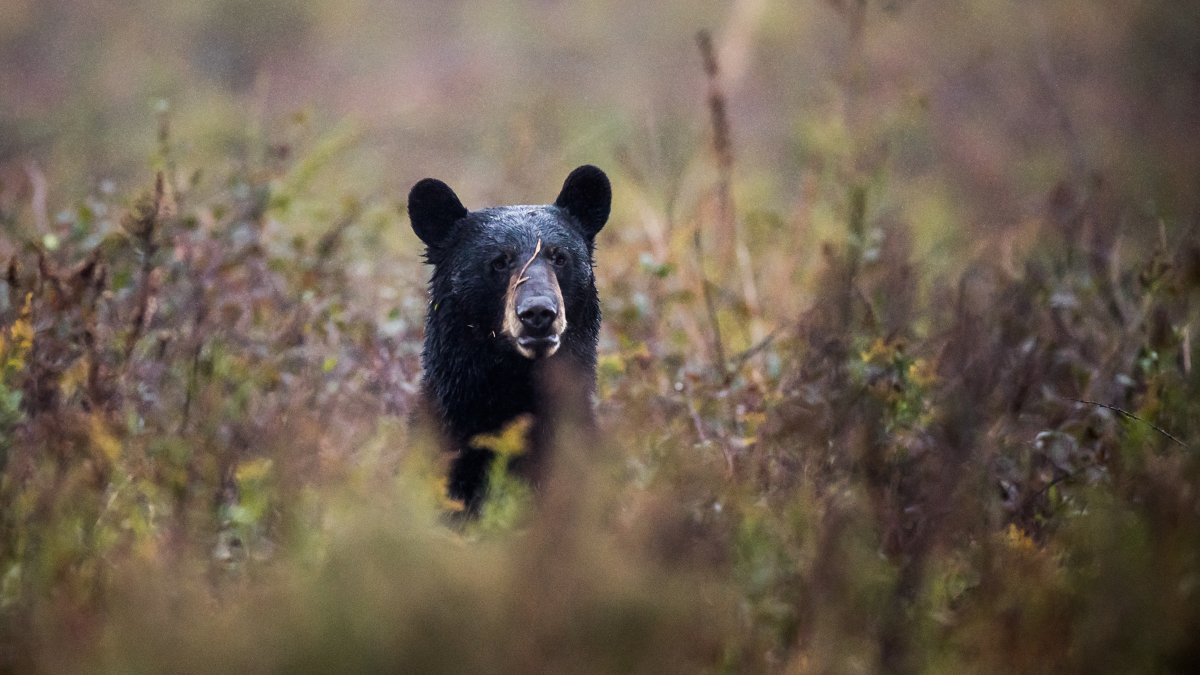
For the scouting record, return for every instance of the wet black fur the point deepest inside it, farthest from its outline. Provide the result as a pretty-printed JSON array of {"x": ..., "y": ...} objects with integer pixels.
[{"x": 475, "y": 381}]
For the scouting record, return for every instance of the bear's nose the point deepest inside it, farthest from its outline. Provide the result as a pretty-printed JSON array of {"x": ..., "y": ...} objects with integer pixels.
[{"x": 537, "y": 314}]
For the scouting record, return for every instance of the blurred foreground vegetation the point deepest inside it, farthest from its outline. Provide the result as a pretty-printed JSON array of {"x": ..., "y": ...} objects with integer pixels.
[{"x": 898, "y": 373}]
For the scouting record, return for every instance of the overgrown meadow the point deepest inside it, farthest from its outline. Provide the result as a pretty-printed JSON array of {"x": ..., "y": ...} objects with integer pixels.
[{"x": 898, "y": 372}]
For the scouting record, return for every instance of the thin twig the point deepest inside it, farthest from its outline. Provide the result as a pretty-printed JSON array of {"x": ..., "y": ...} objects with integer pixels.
[
  {"x": 722, "y": 141},
  {"x": 723, "y": 149},
  {"x": 164, "y": 142},
  {"x": 1029, "y": 499},
  {"x": 742, "y": 357},
  {"x": 193, "y": 381},
  {"x": 142, "y": 223},
  {"x": 722, "y": 146},
  {"x": 1131, "y": 416},
  {"x": 710, "y": 306},
  {"x": 521, "y": 278},
  {"x": 38, "y": 199},
  {"x": 328, "y": 244},
  {"x": 694, "y": 414}
]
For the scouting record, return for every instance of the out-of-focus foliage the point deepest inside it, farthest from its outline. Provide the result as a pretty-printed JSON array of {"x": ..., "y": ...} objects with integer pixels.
[{"x": 899, "y": 374}]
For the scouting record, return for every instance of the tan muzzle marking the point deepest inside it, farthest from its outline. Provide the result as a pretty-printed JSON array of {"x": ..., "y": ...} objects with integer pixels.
[{"x": 511, "y": 326}]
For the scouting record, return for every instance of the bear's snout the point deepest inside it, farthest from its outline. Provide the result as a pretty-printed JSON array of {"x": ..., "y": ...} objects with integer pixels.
[
  {"x": 537, "y": 315},
  {"x": 534, "y": 317}
]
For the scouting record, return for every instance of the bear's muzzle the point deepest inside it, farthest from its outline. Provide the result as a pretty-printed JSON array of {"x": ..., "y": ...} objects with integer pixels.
[{"x": 534, "y": 317}]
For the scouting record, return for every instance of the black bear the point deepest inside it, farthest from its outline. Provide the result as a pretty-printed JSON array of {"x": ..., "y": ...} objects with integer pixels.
[{"x": 512, "y": 299}]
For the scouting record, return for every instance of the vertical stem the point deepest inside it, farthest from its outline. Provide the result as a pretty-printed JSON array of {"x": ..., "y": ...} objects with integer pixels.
[
  {"x": 723, "y": 151},
  {"x": 710, "y": 305}
]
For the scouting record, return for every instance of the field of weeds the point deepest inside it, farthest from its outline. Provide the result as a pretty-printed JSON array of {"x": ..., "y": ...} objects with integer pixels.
[{"x": 898, "y": 371}]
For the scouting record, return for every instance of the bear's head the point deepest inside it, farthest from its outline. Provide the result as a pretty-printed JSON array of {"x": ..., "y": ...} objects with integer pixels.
[{"x": 518, "y": 276}]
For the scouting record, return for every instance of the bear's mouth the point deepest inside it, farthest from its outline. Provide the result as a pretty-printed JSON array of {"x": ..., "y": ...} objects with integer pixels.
[{"x": 537, "y": 347}]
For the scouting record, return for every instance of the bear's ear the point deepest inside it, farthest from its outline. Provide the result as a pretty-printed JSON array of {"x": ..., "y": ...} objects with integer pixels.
[
  {"x": 432, "y": 209},
  {"x": 587, "y": 195}
]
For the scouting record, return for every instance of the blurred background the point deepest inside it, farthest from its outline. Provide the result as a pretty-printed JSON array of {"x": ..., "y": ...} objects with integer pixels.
[
  {"x": 997, "y": 101},
  {"x": 897, "y": 366}
]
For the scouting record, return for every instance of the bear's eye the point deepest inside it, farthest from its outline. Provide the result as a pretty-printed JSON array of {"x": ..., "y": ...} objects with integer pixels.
[
  {"x": 500, "y": 262},
  {"x": 557, "y": 257}
]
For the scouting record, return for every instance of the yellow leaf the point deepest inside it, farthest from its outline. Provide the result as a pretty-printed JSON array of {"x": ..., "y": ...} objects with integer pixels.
[
  {"x": 922, "y": 373},
  {"x": 442, "y": 490},
  {"x": 743, "y": 442},
  {"x": 21, "y": 335},
  {"x": 1018, "y": 540},
  {"x": 104, "y": 440},
  {"x": 509, "y": 441},
  {"x": 22, "y": 329},
  {"x": 753, "y": 420},
  {"x": 878, "y": 352},
  {"x": 253, "y": 470},
  {"x": 74, "y": 376}
]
